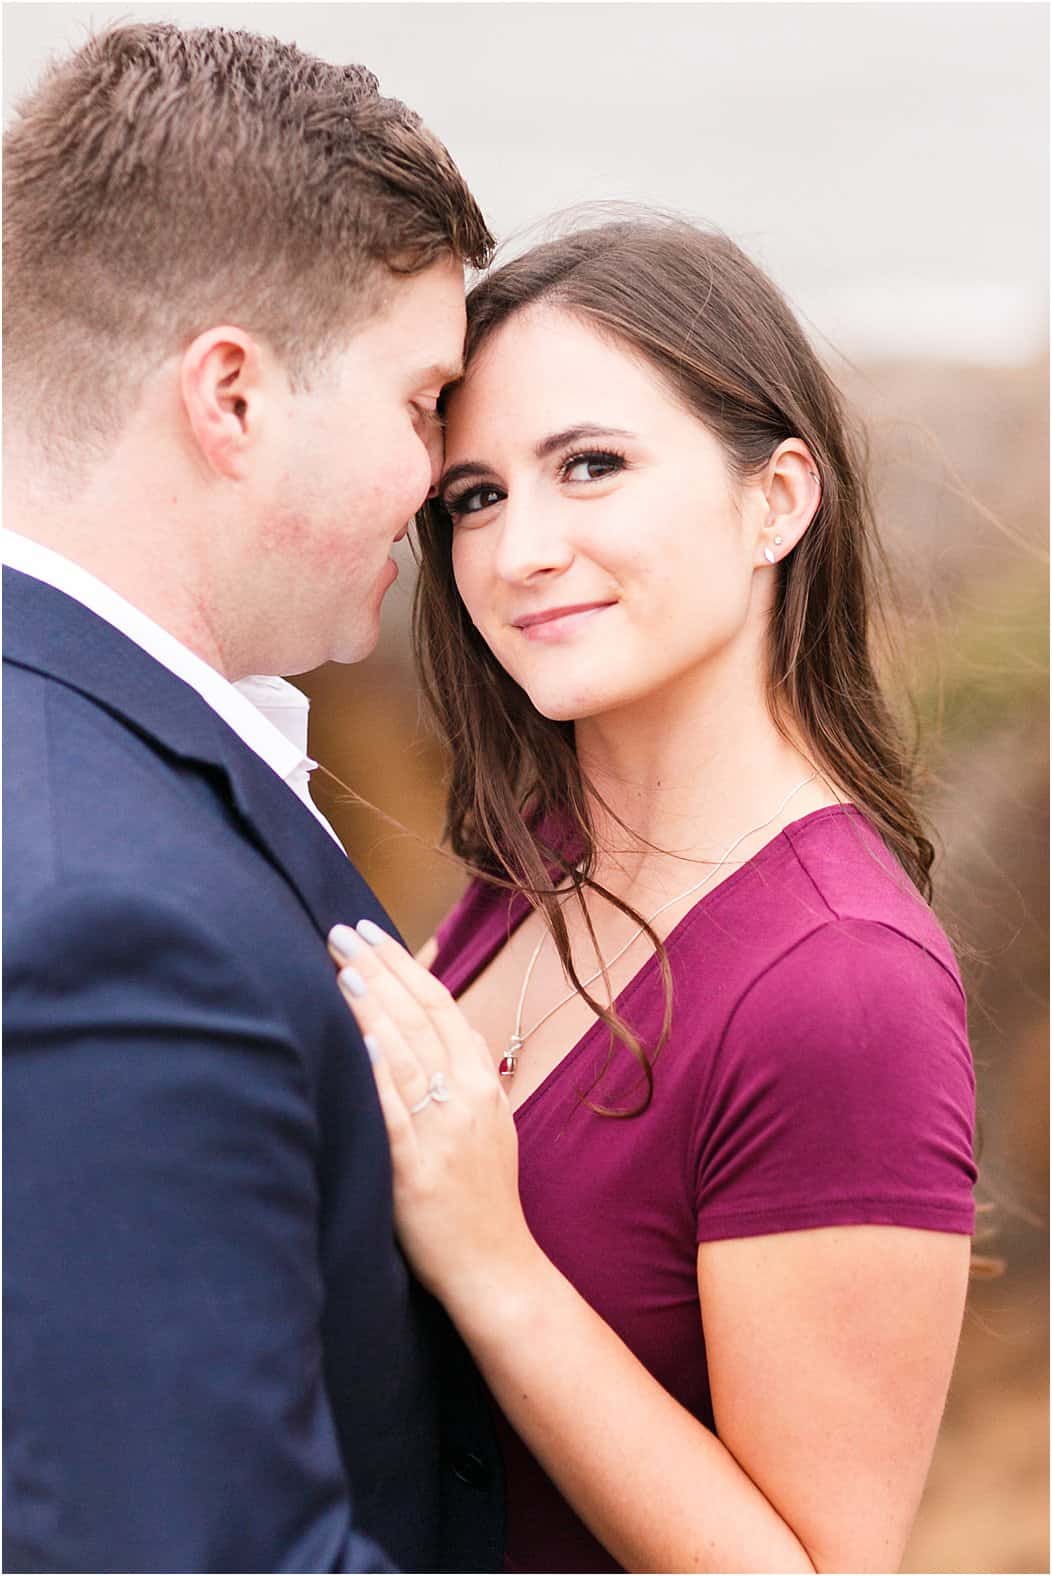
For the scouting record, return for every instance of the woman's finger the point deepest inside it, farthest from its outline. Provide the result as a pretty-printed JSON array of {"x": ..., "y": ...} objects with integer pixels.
[
  {"x": 418, "y": 1029},
  {"x": 428, "y": 995},
  {"x": 401, "y": 1134},
  {"x": 407, "y": 1072}
]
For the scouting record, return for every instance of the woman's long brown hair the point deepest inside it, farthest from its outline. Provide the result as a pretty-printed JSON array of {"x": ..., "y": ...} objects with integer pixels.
[{"x": 729, "y": 349}]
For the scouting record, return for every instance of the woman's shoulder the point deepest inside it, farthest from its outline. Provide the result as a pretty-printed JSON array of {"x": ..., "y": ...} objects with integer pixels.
[
  {"x": 825, "y": 918},
  {"x": 836, "y": 875},
  {"x": 851, "y": 977},
  {"x": 819, "y": 951},
  {"x": 475, "y": 928}
]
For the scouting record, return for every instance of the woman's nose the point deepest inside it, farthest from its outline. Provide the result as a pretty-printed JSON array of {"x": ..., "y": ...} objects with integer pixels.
[{"x": 531, "y": 542}]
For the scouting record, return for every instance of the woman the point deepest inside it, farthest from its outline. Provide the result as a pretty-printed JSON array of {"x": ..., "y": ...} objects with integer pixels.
[{"x": 707, "y": 1230}]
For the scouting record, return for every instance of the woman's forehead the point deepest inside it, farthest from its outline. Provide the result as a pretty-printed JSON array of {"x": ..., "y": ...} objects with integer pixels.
[{"x": 547, "y": 369}]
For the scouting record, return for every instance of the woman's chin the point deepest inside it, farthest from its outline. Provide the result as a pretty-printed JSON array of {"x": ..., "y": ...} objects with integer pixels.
[{"x": 567, "y": 706}]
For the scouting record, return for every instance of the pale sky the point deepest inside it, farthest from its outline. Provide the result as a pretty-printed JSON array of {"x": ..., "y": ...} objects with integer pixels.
[{"x": 886, "y": 162}]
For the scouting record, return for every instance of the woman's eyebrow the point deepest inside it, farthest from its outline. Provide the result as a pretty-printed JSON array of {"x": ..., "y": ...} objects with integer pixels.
[
  {"x": 546, "y": 446},
  {"x": 456, "y": 473},
  {"x": 562, "y": 440}
]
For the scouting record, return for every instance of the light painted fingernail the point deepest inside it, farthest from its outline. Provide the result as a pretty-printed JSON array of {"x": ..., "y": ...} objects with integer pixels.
[
  {"x": 351, "y": 981},
  {"x": 372, "y": 1045},
  {"x": 343, "y": 941},
  {"x": 372, "y": 933}
]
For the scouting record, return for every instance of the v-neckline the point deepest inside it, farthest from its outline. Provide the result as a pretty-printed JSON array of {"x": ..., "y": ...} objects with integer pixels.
[{"x": 646, "y": 968}]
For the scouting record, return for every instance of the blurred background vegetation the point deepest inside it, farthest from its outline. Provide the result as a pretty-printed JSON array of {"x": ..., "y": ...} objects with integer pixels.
[{"x": 959, "y": 464}]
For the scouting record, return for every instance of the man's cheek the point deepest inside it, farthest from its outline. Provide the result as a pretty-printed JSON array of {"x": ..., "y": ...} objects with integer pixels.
[
  {"x": 286, "y": 533},
  {"x": 395, "y": 497}
]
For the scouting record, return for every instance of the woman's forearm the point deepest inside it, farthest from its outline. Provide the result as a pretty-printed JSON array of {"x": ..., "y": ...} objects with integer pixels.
[{"x": 655, "y": 1486}]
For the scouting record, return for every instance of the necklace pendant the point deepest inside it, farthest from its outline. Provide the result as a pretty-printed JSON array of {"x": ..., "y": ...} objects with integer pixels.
[{"x": 510, "y": 1060}]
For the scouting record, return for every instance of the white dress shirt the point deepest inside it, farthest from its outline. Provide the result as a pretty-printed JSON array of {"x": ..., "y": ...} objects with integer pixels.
[{"x": 268, "y": 714}]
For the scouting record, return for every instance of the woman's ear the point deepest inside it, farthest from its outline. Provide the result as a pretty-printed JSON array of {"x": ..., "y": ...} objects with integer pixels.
[
  {"x": 793, "y": 491},
  {"x": 221, "y": 383}
]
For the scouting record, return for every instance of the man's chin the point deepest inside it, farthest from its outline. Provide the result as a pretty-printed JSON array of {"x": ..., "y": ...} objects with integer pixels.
[{"x": 357, "y": 646}]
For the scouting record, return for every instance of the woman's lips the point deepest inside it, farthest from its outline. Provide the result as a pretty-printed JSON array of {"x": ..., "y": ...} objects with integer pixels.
[{"x": 557, "y": 623}]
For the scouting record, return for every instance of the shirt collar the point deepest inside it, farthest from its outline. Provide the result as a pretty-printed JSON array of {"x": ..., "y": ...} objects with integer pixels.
[{"x": 267, "y": 713}]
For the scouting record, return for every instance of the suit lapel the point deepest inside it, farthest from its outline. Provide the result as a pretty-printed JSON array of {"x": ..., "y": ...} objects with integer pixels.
[{"x": 53, "y": 634}]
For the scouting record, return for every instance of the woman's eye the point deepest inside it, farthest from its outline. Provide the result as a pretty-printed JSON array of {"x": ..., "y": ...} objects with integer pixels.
[
  {"x": 591, "y": 467},
  {"x": 473, "y": 501},
  {"x": 429, "y": 414}
]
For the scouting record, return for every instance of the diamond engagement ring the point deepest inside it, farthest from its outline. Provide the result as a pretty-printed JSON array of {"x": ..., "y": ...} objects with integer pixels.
[{"x": 437, "y": 1089}]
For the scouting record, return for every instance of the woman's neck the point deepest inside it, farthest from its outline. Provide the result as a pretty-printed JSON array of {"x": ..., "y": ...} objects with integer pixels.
[{"x": 689, "y": 772}]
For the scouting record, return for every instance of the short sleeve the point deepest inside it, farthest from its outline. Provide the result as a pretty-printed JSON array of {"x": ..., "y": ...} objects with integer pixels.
[{"x": 842, "y": 1093}]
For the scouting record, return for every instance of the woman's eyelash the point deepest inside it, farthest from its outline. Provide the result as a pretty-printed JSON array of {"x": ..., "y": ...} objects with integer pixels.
[
  {"x": 455, "y": 504},
  {"x": 611, "y": 457}
]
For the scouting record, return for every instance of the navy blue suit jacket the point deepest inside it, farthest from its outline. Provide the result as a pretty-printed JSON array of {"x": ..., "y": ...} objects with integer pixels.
[{"x": 215, "y": 1356}]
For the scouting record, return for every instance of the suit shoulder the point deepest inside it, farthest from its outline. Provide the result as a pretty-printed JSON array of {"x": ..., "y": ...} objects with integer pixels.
[
  {"x": 86, "y": 795},
  {"x": 112, "y": 925},
  {"x": 28, "y": 806}
]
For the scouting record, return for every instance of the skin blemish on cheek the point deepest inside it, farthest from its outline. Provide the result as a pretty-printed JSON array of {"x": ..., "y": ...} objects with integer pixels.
[{"x": 287, "y": 531}]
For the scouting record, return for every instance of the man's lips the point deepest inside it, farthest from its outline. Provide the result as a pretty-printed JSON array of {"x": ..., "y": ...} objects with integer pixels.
[{"x": 549, "y": 614}]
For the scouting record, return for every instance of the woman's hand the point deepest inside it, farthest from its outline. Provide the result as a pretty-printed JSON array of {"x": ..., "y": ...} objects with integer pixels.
[{"x": 454, "y": 1150}]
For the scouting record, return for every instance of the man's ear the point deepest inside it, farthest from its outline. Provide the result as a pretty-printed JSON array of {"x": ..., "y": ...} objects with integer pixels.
[{"x": 221, "y": 381}]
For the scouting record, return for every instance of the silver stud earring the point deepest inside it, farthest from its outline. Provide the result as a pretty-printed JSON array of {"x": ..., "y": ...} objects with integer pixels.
[
  {"x": 778, "y": 541},
  {"x": 769, "y": 555}
]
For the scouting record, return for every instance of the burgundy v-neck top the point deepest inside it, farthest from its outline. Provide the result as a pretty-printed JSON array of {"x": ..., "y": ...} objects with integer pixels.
[{"x": 817, "y": 1074}]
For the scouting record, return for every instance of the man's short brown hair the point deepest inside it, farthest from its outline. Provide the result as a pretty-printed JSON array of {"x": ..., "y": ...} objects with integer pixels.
[{"x": 161, "y": 181}]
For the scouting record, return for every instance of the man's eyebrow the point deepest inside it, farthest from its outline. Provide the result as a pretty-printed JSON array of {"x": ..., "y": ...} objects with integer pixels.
[
  {"x": 439, "y": 372},
  {"x": 546, "y": 446}
]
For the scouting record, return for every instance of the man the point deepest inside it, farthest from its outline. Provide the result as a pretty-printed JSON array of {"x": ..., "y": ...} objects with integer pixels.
[{"x": 233, "y": 293}]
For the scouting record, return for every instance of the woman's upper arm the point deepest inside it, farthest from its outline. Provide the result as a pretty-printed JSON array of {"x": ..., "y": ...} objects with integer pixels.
[
  {"x": 834, "y": 1210},
  {"x": 830, "y": 1353}
]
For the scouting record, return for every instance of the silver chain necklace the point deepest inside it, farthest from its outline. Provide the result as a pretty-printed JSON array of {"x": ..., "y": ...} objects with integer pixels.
[{"x": 510, "y": 1060}]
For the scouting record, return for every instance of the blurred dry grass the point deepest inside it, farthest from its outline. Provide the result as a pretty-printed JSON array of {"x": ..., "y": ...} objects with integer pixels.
[{"x": 960, "y": 467}]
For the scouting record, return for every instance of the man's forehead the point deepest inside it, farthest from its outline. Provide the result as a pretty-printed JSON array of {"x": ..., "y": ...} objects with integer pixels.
[{"x": 422, "y": 323}]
